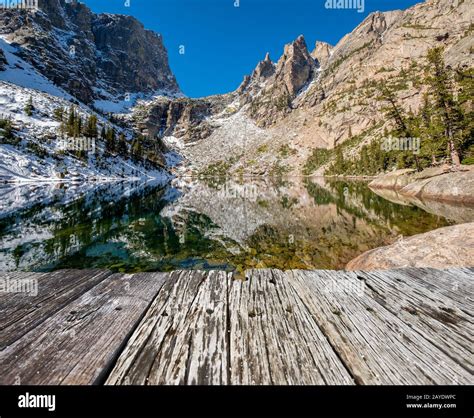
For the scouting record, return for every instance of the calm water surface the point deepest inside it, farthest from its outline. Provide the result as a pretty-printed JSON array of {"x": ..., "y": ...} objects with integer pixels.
[{"x": 127, "y": 227}]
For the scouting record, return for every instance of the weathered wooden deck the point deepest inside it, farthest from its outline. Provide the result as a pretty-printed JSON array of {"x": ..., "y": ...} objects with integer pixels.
[{"x": 412, "y": 326}]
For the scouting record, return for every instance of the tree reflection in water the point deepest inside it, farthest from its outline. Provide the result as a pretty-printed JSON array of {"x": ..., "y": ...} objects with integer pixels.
[{"x": 127, "y": 227}]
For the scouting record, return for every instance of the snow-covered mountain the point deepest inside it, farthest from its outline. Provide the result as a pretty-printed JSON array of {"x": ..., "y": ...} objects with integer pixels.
[
  {"x": 38, "y": 153},
  {"x": 63, "y": 67},
  {"x": 94, "y": 57}
]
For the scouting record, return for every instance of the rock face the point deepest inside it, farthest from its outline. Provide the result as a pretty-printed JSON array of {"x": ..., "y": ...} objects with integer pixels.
[
  {"x": 441, "y": 183},
  {"x": 182, "y": 118},
  {"x": 268, "y": 92},
  {"x": 264, "y": 70},
  {"x": 443, "y": 248},
  {"x": 271, "y": 88},
  {"x": 322, "y": 52},
  {"x": 295, "y": 68},
  {"x": 138, "y": 65},
  {"x": 253, "y": 84},
  {"x": 321, "y": 99},
  {"x": 90, "y": 56},
  {"x": 3, "y": 60}
]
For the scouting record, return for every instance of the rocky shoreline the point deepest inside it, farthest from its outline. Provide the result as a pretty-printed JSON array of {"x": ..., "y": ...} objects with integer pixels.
[
  {"x": 443, "y": 248},
  {"x": 445, "y": 191},
  {"x": 443, "y": 183}
]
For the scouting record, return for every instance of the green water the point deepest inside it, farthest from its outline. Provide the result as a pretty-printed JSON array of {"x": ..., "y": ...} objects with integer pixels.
[{"x": 127, "y": 227}]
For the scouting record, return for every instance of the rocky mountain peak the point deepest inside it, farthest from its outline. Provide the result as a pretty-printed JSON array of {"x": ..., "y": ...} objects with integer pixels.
[
  {"x": 295, "y": 67},
  {"x": 272, "y": 87},
  {"x": 322, "y": 52},
  {"x": 264, "y": 69},
  {"x": 138, "y": 65},
  {"x": 262, "y": 72},
  {"x": 377, "y": 23},
  {"x": 93, "y": 57},
  {"x": 291, "y": 104}
]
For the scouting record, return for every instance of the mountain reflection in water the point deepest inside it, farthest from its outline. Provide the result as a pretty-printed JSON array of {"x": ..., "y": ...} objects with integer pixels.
[{"x": 295, "y": 224}]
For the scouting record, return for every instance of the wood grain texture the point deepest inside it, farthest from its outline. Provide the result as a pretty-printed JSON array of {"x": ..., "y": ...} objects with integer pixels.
[
  {"x": 274, "y": 339},
  {"x": 77, "y": 344},
  {"x": 210, "y": 329},
  {"x": 377, "y": 345},
  {"x": 408, "y": 326},
  {"x": 20, "y": 312},
  {"x": 182, "y": 338},
  {"x": 434, "y": 303}
]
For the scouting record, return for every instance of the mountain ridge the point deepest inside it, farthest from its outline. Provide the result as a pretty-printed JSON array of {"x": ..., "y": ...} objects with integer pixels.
[
  {"x": 289, "y": 117},
  {"x": 279, "y": 115},
  {"x": 85, "y": 53}
]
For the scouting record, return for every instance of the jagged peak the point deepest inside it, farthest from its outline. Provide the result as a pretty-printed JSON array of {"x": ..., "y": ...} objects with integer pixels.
[
  {"x": 297, "y": 47},
  {"x": 296, "y": 66},
  {"x": 323, "y": 44},
  {"x": 97, "y": 64},
  {"x": 300, "y": 40},
  {"x": 264, "y": 69},
  {"x": 322, "y": 52}
]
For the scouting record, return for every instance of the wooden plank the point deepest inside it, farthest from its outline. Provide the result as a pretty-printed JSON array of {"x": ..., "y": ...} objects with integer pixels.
[
  {"x": 274, "y": 339},
  {"x": 21, "y": 312},
  {"x": 209, "y": 329},
  {"x": 78, "y": 343},
  {"x": 439, "y": 316},
  {"x": 377, "y": 346},
  {"x": 182, "y": 338},
  {"x": 90, "y": 327},
  {"x": 455, "y": 284}
]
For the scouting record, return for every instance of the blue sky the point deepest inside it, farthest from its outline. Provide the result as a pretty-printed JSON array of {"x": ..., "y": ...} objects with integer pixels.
[{"x": 223, "y": 42}]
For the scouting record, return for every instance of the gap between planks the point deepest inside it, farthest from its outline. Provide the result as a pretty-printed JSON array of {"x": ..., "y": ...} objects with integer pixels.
[
  {"x": 78, "y": 344},
  {"x": 299, "y": 327},
  {"x": 188, "y": 327}
]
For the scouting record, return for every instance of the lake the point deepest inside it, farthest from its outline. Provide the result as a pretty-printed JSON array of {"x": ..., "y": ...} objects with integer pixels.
[{"x": 293, "y": 223}]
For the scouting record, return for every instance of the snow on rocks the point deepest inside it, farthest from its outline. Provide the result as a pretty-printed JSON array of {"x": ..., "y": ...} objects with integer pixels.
[{"x": 20, "y": 164}]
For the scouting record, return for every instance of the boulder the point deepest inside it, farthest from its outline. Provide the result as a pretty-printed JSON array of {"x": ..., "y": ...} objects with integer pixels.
[
  {"x": 394, "y": 180},
  {"x": 443, "y": 248},
  {"x": 439, "y": 183},
  {"x": 450, "y": 187}
]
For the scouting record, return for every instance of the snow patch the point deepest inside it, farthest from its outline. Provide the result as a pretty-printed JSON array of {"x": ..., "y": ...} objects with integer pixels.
[{"x": 23, "y": 74}]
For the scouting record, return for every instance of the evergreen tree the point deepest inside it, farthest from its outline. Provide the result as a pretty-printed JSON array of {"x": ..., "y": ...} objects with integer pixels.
[
  {"x": 78, "y": 126},
  {"x": 29, "y": 108},
  {"x": 122, "y": 148},
  {"x": 393, "y": 111},
  {"x": 91, "y": 130},
  {"x": 465, "y": 82},
  {"x": 339, "y": 166},
  {"x": 431, "y": 134},
  {"x": 110, "y": 141},
  {"x": 58, "y": 114},
  {"x": 6, "y": 130},
  {"x": 137, "y": 150},
  {"x": 402, "y": 126},
  {"x": 365, "y": 162},
  {"x": 447, "y": 110},
  {"x": 71, "y": 122}
]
